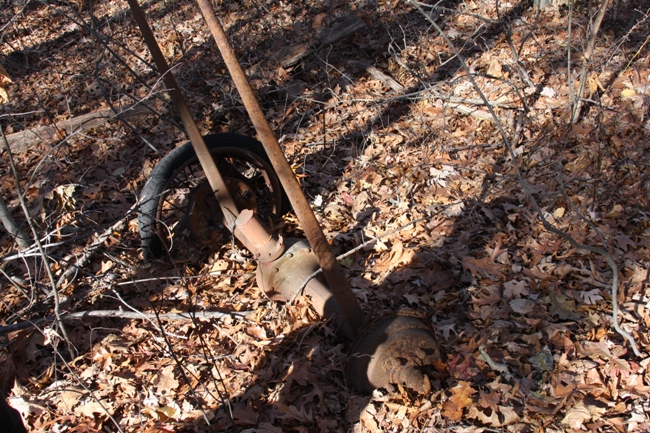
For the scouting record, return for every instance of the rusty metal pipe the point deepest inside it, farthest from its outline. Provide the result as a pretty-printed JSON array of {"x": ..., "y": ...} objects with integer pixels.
[
  {"x": 224, "y": 198},
  {"x": 338, "y": 284}
]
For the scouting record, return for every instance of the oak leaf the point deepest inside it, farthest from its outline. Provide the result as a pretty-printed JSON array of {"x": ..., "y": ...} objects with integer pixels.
[
  {"x": 487, "y": 296},
  {"x": 461, "y": 398},
  {"x": 580, "y": 413},
  {"x": 69, "y": 398},
  {"x": 522, "y": 306},
  {"x": 590, "y": 297},
  {"x": 398, "y": 256},
  {"x": 92, "y": 407},
  {"x": 515, "y": 289},
  {"x": 292, "y": 412},
  {"x": 166, "y": 382},
  {"x": 484, "y": 267}
]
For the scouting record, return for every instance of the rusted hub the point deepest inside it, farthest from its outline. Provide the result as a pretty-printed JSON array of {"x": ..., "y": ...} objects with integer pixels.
[
  {"x": 282, "y": 278},
  {"x": 394, "y": 349},
  {"x": 205, "y": 213}
]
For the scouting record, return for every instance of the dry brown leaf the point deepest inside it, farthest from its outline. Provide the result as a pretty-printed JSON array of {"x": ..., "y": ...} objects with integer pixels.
[
  {"x": 509, "y": 416},
  {"x": 93, "y": 407},
  {"x": 264, "y": 427},
  {"x": 581, "y": 413},
  {"x": 522, "y": 306},
  {"x": 515, "y": 289},
  {"x": 244, "y": 414},
  {"x": 562, "y": 307},
  {"x": 69, "y": 398},
  {"x": 398, "y": 256},
  {"x": 4, "y": 80},
  {"x": 495, "y": 68},
  {"x": 26, "y": 408},
  {"x": 293, "y": 412},
  {"x": 165, "y": 381},
  {"x": 487, "y": 416},
  {"x": 487, "y": 296},
  {"x": 461, "y": 398},
  {"x": 481, "y": 267}
]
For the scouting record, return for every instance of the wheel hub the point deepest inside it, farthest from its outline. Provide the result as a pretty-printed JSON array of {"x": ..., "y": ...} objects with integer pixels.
[{"x": 205, "y": 216}]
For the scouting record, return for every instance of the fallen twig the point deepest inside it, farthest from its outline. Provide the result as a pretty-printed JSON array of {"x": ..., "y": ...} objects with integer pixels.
[
  {"x": 377, "y": 74},
  {"x": 12, "y": 228},
  {"x": 291, "y": 55},
  {"x": 119, "y": 314}
]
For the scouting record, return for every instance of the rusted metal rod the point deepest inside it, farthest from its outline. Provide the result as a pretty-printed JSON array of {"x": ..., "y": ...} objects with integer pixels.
[
  {"x": 338, "y": 284},
  {"x": 219, "y": 188}
]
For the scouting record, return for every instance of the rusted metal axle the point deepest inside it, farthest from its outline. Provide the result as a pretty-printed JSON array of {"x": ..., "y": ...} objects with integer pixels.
[
  {"x": 338, "y": 284},
  {"x": 394, "y": 349}
]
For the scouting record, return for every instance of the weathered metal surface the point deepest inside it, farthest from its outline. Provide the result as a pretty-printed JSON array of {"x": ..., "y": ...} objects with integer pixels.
[
  {"x": 332, "y": 271},
  {"x": 395, "y": 349},
  {"x": 283, "y": 278},
  {"x": 251, "y": 232}
]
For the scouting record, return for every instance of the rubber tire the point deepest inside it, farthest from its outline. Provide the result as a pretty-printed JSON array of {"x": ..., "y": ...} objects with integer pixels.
[{"x": 152, "y": 193}]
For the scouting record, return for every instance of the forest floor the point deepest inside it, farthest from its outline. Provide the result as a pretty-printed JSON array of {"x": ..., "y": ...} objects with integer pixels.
[{"x": 386, "y": 132}]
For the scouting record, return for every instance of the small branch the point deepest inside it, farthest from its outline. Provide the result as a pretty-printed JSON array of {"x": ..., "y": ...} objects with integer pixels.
[
  {"x": 22, "y": 141},
  {"x": 577, "y": 102},
  {"x": 377, "y": 74},
  {"x": 291, "y": 55},
  {"x": 130, "y": 315}
]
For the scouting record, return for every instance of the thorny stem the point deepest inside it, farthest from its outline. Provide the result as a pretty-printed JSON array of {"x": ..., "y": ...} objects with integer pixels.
[
  {"x": 526, "y": 187},
  {"x": 41, "y": 250}
]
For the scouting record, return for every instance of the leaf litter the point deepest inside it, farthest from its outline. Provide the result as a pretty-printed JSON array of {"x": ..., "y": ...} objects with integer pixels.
[{"x": 524, "y": 319}]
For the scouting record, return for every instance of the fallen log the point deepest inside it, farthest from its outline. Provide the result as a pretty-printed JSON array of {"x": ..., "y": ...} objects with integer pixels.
[
  {"x": 21, "y": 142},
  {"x": 291, "y": 55},
  {"x": 120, "y": 314}
]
